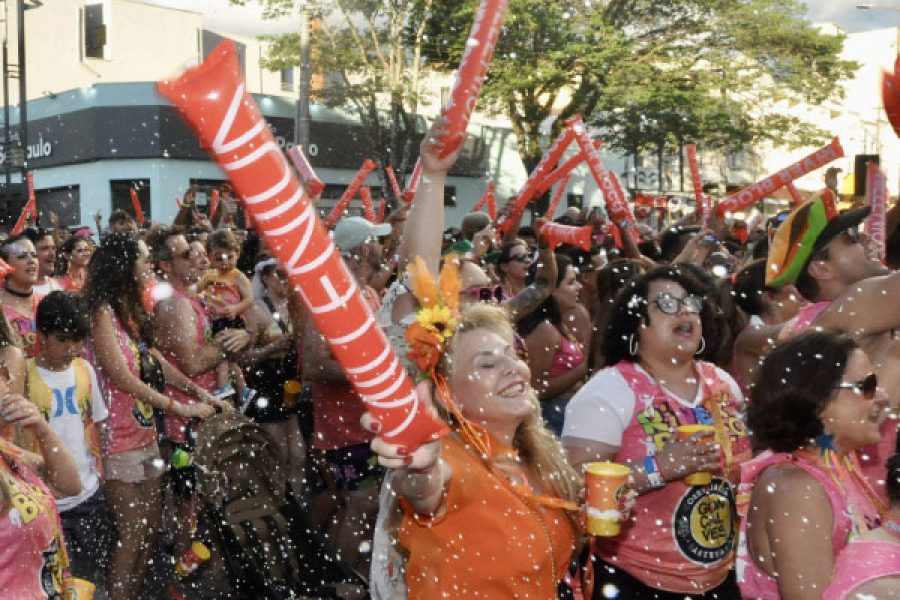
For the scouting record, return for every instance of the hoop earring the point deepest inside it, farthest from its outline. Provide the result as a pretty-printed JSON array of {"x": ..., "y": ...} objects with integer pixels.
[
  {"x": 632, "y": 345},
  {"x": 702, "y": 346}
]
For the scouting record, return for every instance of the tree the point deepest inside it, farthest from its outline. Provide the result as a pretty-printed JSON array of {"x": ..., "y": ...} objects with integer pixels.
[
  {"x": 369, "y": 54},
  {"x": 651, "y": 73}
]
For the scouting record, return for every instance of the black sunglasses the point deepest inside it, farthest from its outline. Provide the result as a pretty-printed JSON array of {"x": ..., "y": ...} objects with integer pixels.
[
  {"x": 669, "y": 304},
  {"x": 852, "y": 235},
  {"x": 522, "y": 258},
  {"x": 486, "y": 293},
  {"x": 866, "y": 386}
]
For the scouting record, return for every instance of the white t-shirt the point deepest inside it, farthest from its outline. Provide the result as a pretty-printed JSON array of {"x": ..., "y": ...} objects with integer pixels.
[
  {"x": 65, "y": 421},
  {"x": 602, "y": 409},
  {"x": 45, "y": 288}
]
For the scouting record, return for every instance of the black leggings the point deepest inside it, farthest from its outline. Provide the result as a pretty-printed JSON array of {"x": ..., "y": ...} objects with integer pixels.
[{"x": 630, "y": 588}]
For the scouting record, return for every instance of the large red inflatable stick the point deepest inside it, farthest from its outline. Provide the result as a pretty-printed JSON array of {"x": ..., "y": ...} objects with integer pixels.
[
  {"x": 413, "y": 182},
  {"x": 314, "y": 185},
  {"x": 563, "y": 170},
  {"x": 617, "y": 184},
  {"x": 392, "y": 179},
  {"x": 557, "y": 234},
  {"x": 796, "y": 196},
  {"x": 752, "y": 193},
  {"x": 381, "y": 206},
  {"x": 492, "y": 203},
  {"x": 365, "y": 195},
  {"x": 616, "y": 203},
  {"x": 482, "y": 202},
  {"x": 691, "y": 150},
  {"x": 516, "y": 206},
  {"x": 335, "y": 215},
  {"x": 890, "y": 95},
  {"x": 876, "y": 197},
  {"x": 472, "y": 68},
  {"x": 214, "y": 102},
  {"x": 136, "y": 206},
  {"x": 557, "y": 197},
  {"x": 213, "y": 203},
  {"x": 29, "y": 211}
]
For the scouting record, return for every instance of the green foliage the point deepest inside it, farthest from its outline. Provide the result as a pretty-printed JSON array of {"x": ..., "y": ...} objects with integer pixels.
[{"x": 651, "y": 73}]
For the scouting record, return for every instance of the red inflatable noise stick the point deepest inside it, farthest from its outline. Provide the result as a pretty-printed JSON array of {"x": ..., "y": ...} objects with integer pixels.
[
  {"x": 557, "y": 234},
  {"x": 472, "y": 69},
  {"x": 5, "y": 269},
  {"x": 213, "y": 100},
  {"x": 314, "y": 185},
  {"x": 136, "y": 205}
]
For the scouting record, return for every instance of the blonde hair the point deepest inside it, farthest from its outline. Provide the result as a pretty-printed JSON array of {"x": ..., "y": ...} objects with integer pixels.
[{"x": 539, "y": 450}]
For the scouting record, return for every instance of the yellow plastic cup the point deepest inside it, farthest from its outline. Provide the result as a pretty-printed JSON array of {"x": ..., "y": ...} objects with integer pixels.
[
  {"x": 77, "y": 589},
  {"x": 684, "y": 432},
  {"x": 195, "y": 556},
  {"x": 604, "y": 486},
  {"x": 292, "y": 389}
]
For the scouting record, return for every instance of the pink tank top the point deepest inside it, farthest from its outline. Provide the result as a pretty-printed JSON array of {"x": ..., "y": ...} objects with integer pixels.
[
  {"x": 680, "y": 538},
  {"x": 130, "y": 424},
  {"x": 860, "y": 562},
  {"x": 32, "y": 551},
  {"x": 803, "y": 319},
  {"x": 753, "y": 581},
  {"x": 567, "y": 357},
  {"x": 175, "y": 425}
]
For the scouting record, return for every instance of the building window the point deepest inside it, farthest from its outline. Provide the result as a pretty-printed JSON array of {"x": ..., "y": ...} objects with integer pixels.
[
  {"x": 64, "y": 201},
  {"x": 450, "y": 195},
  {"x": 120, "y": 192},
  {"x": 287, "y": 79},
  {"x": 96, "y": 17}
]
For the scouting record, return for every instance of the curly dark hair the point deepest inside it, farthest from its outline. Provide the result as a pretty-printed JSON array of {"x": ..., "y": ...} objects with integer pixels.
[
  {"x": 892, "y": 479},
  {"x": 793, "y": 386},
  {"x": 111, "y": 281},
  {"x": 629, "y": 311},
  {"x": 749, "y": 285}
]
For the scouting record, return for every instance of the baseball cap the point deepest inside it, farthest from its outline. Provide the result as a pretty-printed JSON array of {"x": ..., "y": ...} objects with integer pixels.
[
  {"x": 352, "y": 232},
  {"x": 805, "y": 231}
]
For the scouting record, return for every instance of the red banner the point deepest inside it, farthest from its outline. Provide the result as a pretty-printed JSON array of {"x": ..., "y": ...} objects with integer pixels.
[
  {"x": 314, "y": 185},
  {"x": 557, "y": 197},
  {"x": 472, "y": 69},
  {"x": 29, "y": 211},
  {"x": 760, "y": 189},
  {"x": 335, "y": 215},
  {"x": 876, "y": 197},
  {"x": 213, "y": 100}
]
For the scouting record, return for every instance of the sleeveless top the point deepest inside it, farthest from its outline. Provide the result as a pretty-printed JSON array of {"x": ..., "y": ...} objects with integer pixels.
[
  {"x": 680, "y": 538},
  {"x": 753, "y": 581},
  {"x": 267, "y": 376},
  {"x": 860, "y": 562},
  {"x": 42, "y": 397},
  {"x": 32, "y": 552},
  {"x": 130, "y": 424},
  {"x": 803, "y": 319},
  {"x": 567, "y": 357},
  {"x": 24, "y": 327},
  {"x": 176, "y": 426}
]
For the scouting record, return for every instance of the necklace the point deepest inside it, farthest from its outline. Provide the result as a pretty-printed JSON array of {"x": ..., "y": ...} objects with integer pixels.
[{"x": 17, "y": 293}]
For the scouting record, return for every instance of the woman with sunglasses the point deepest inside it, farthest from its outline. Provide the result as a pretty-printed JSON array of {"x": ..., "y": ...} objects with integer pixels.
[
  {"x": 512, "y": 267},
  {"x": 815, "y": 402},
  {"x": 680, "y": 538},
  {"x": 273, "y": 360}
]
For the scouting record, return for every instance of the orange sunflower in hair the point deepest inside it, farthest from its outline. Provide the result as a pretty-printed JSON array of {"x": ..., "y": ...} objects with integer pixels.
[{"x": 436, "y": 320}]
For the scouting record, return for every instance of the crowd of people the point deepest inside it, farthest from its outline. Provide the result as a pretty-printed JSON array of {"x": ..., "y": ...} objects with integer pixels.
[{"x": 118, "y": 351}]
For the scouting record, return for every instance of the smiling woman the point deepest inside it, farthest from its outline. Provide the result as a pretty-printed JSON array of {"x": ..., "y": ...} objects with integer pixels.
[{"x": 487, "y": 510}]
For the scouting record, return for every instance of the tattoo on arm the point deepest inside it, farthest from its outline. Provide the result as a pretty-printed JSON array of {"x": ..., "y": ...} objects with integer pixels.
[{"x": 528, "y": 299}]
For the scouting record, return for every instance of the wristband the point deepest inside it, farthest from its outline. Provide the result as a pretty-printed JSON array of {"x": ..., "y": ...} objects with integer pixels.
[{"x": 654, "y": 478}]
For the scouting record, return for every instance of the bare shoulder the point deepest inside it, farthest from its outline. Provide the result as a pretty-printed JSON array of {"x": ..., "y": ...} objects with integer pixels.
[{"x": 787, "y": 486}]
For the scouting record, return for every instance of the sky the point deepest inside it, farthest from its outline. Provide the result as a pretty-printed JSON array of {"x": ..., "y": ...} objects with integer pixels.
[{"x": 223, "y": 16}]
